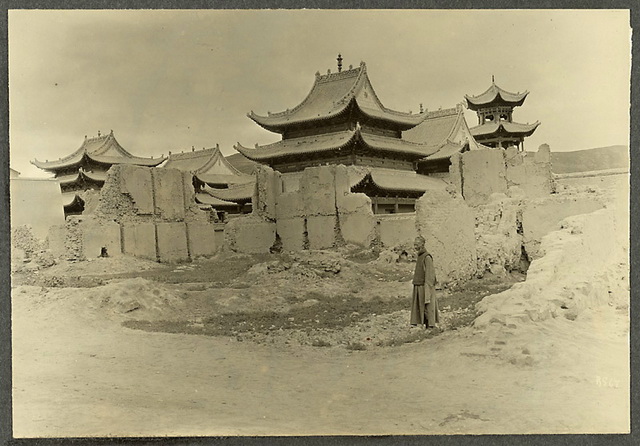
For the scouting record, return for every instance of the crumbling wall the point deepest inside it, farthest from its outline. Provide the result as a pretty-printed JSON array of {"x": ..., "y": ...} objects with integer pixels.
[
  {"x": 543, "y": 215},
  {"x": 83, "y": 237},
  {"x": 483, "y": 174},
  {"x": 498, "y": 234},
  {"x": 531, "y": 171},
  {"x": 455, "y": 173},
  {"x": 447, "y": 224},
  {"x": 356, "y": 223},
  {"x": 313, "y": 209},
  {"x": 145, "y": 212}
]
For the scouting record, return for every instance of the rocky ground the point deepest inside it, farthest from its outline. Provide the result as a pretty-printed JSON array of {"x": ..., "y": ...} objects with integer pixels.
[{"x": 317, "y": 343}]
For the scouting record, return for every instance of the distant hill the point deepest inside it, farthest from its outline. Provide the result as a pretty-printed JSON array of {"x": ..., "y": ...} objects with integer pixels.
[
  {"x": 242, "y": 163},
  {"x": 610, "y": 157}
]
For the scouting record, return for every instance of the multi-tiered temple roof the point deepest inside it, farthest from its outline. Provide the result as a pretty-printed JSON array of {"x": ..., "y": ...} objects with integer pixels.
[
  {"x": 208, "y": 166},
  {"x": 213, "y": 174},
  {"x": 86, "y": 167},
  {"x": 495, "y": 121},
  {"x": 340, "y": 121}
]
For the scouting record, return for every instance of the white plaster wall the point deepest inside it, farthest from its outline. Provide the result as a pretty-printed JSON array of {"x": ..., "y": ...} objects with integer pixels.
[{"x": 36, "y": 202}]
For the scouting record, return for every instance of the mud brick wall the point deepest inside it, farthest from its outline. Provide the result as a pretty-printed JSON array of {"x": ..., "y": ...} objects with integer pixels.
[
  {"x": 250, "y": 234},
  {"x": 313, "y": 209},
  {"x": 355, "y": 216},
  {"x": 83, "y": 237},
  {"x": 144, "y": 212},
  {"x": 139, "y": 239},
  {"x": 483, "y": 174},
  {"x": 499, "y": 235},
  {"x": 395, "y": 230},
  {"x": 531, "y": 171},
  {"x": 447, "y": 224}
]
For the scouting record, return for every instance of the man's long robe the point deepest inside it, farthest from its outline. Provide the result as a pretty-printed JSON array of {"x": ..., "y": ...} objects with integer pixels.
[{"x": 424, "y": 307}]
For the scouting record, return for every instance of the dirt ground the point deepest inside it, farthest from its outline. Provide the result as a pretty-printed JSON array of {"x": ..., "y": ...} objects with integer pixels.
[{"x": 308, "y": 344}]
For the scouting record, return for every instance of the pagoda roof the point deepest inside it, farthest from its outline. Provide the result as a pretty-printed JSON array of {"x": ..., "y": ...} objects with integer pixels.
[
  {"x": 445, "y": 152},
  {"x": 436, "y": 127},
  {"x": 81, "y": 174},
  {"x": 236, "y": 192},
  {"x": 206, "y": 198},
  {"x": 103, "y": 149},
  {"x": 71, "y": 199},
  {"x": 333, "y": 141},
  {"x": 504, "y": 127},
  {"x": 333, "y": 94},
  {"x": 203, "y": 162},
  {"x": 212, "y": 178},
  {"x": 400, "y": 180},
  {"x": 497, "y": 95}
]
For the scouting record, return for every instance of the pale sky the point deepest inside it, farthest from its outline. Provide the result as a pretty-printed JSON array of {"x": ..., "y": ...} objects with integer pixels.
[{"x": 168, "y": 80}]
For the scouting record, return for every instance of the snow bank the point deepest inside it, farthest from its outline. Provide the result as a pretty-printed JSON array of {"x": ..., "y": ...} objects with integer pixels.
[{"x": 581, "y": 266}]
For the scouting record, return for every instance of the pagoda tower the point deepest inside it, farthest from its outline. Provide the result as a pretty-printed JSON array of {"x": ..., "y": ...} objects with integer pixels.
[
  {"x": 86, "y": 168},
  {"x": 496, "y": 127}
]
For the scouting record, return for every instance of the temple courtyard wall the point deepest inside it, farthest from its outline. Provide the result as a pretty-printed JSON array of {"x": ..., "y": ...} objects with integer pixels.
[
  {"x": 491, "y": 218},
  {"x": 144, "y": 212}
]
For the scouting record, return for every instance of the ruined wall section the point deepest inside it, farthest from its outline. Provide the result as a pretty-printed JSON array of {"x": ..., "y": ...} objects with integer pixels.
[
  {"x": 447, "y": 224},
  {"x": 498, "y": 231},
  {"x": 313, "y": 209},
  {"x": 530, "y": 171},
  {"x": 483, "y": 174},
  {"x": 145, "y": 212}
]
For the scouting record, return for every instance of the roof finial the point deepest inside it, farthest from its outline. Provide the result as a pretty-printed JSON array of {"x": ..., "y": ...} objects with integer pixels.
[
  {"x": 339, "y": 59},
  {"x": 421, "y": 109},
  {"x": 98, "y": 133},
  {"x": 193, "y": 149},
  {"x": 493, "y": 79}
]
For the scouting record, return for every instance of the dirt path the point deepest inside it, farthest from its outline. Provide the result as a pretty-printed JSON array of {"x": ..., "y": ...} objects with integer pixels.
[{"x": 77, "y": 374}]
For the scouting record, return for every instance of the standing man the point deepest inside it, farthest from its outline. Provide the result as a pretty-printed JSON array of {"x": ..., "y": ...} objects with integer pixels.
[{"x": 424, "y": 308}]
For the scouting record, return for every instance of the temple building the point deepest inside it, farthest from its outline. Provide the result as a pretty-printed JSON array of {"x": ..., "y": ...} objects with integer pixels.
[
  {"x": 86, "y": 168},
  {"x": 342, "y": 121},
  {"x": 495, "y": 118},
  {"x": 213, "y": 175}
]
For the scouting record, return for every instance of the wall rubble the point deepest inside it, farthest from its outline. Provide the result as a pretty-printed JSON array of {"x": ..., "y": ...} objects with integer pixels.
[{"x": 144, "y": 212}]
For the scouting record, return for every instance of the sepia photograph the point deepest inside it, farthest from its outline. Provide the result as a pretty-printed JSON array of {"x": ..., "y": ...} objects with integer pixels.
[{"x": 319, "y": 222}]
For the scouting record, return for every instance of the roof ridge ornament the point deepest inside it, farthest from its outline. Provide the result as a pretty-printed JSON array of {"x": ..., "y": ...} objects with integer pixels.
[{"x": 339, "y": 59}]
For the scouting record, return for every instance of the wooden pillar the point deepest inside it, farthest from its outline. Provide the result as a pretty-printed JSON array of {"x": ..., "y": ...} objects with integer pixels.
[
  {"x": 375, "y": 205},
  {"x": 395, "y": 205}
]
